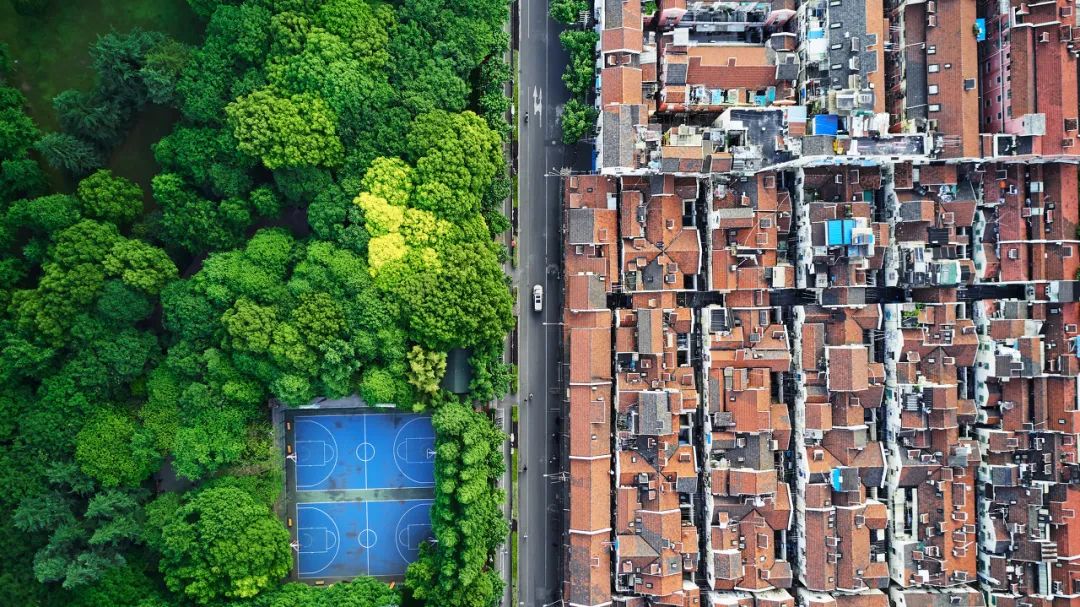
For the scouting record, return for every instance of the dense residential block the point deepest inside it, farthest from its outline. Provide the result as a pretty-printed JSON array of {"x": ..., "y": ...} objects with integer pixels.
[{"x": 822, "y": 307}]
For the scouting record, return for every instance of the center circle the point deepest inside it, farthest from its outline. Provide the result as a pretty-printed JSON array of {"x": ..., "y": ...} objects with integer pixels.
[
  {"x": 367, "y": 538},
  {"x": 365, "y": 452}
]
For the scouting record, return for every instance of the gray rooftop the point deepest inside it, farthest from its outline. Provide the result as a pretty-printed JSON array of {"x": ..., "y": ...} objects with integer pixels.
[
  {"x": 618, "y": 128},
  {"x": 654, "y": 414},
  {"x": 645, "y": 333},
  {"x": 580, "y": 226}
]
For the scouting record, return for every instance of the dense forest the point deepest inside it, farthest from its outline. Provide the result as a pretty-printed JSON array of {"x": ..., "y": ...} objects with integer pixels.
[{"x": 322, "y": 222}]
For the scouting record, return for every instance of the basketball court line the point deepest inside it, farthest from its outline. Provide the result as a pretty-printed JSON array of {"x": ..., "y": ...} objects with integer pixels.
[
  {"x": 300, "y": 445},
  {"x": 397, "y": 442},
  {"x": 415, "y": 445},
  {"x": 408, "y": 528},
  {"x": 394, "y": 518},
  {"x": 367, "y": 525},
  {"x": 367, "y": 485},
  {"x": 403, "y": 449},
  {"x": 334, "y": 448},
  {"x": 365, "y": 452},
  {"x": 337, "y": 543}
]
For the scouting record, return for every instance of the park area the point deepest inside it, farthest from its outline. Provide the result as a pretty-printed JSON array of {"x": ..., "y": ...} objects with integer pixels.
[
  {"x": 360, "y": 489},
  {"x": 209, "y": 208},
  {"x": 50, "y": 50}
]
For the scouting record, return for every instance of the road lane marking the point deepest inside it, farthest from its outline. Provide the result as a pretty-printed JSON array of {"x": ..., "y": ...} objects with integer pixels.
[{"x": 538, "y": 104}]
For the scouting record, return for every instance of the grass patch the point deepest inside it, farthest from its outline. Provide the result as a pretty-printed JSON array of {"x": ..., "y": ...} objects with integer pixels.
[
  {"x": 514, "y": 96},
  {"x": 52, "y": 49},
  {"x": 514, "y": 74},
  {"x": 51, "y": 54},
  {"x": 513, "y": 567}
]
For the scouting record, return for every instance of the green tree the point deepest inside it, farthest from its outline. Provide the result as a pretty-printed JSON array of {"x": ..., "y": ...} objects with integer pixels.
[
  {"x": 382, "y": 385},
  {"x": 580, "y": 73},
  {"x": 426, "y": 369},
  {"x": 69, "y": 153},
  {"x": 196, "y": 223},
  {"x": 46, "y": 214},
  {"x": 222, "y": 544},
  {"x": 112, "y": 450},
  {"x": 17, "y": 130},
  {"x": 567, "y": 11},
  {"x": 285, "y": 131},
  {"x": 467, "y": 303},
  {"x": 88, "y": 531},
  {"x": 121, "y": 305},
  {"x": 578, "y": 120},
  {"x": 208, "y": 159},
  {"x": 124, "y": 586},
  {"x": 466, "y": 518},
  {"x": 140, "y": 265},
  {"x": 456, "y": 158},
  {"x": 110, "y": 198},
  {"x": 212, "y": 438}
]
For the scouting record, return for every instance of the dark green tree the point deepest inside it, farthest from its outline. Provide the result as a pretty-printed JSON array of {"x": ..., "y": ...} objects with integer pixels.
[
  {"x": 88, "y": 530},
  {"x": 17, "y": 130},
  {"x": 69, "y": 153}
]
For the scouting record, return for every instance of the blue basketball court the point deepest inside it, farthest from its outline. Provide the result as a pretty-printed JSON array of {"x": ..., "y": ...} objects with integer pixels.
[
  {"x": 370, "y": 451},
  {"x": 362, "y": 491},
  {"x": 345, "y": 539}
]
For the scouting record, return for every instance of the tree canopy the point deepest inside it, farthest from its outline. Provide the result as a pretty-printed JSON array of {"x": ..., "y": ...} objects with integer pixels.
[
  {"x": 223, "y": 544},
  {"x": 321, "y": 222}
]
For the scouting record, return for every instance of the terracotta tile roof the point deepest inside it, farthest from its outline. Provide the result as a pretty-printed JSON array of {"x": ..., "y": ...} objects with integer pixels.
[
  {"x": 847, "y": 368},
  {"x": 590, "y": 355},
  {"x": 590, "y": 421},
  {"x": 588, "y": 571},
  {"x": 590, "y": 495},
  {"x": 621, "y": 84},
  {"x": 957, "y": 58}
]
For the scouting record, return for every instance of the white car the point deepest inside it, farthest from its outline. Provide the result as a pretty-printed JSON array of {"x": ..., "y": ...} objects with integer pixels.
[{"x": 538, "y": 298}]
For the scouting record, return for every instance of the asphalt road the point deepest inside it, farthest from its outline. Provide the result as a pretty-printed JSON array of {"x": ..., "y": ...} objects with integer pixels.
[{"x": 540, "y": 154}]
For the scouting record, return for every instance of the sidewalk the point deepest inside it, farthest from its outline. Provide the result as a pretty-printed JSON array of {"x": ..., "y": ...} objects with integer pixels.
[{"x": 504, "y": 407}]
